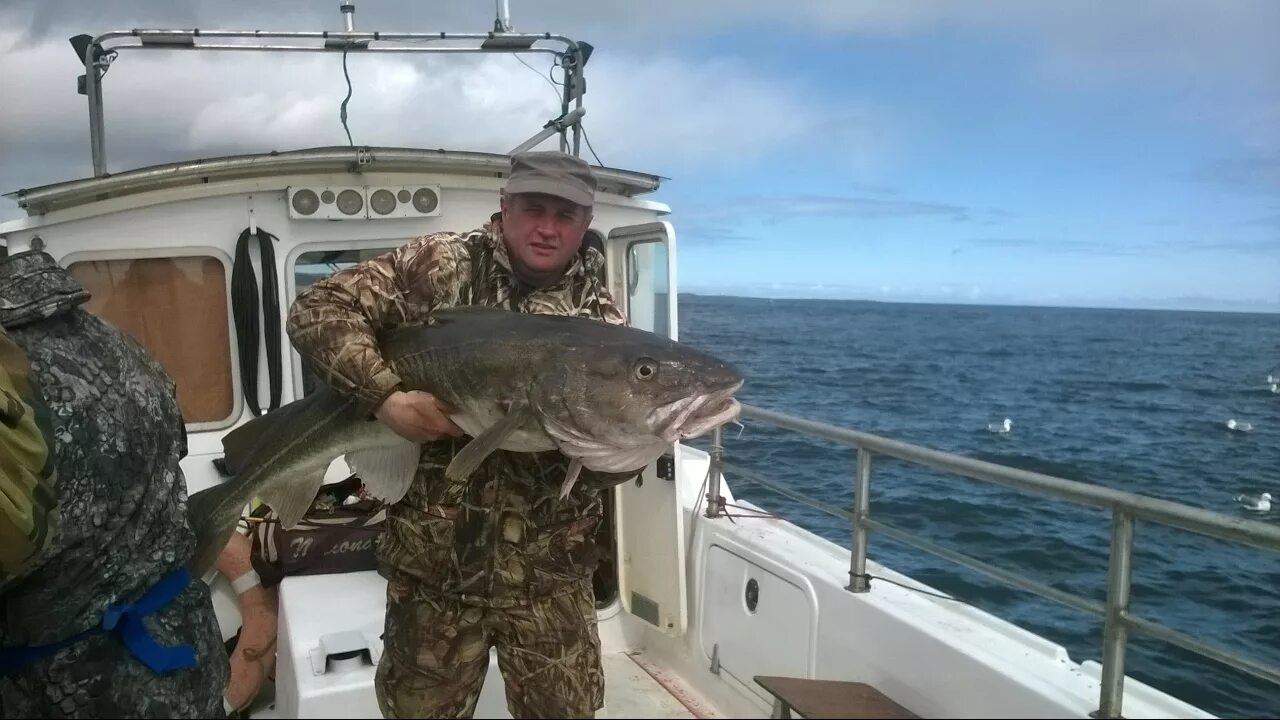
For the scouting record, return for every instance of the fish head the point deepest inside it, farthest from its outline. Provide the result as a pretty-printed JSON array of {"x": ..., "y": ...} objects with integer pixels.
[{"x": 628, "y": 398}]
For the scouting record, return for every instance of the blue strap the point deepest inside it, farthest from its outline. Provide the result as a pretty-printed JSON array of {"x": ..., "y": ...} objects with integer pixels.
[{"x": 127, "y": 621}]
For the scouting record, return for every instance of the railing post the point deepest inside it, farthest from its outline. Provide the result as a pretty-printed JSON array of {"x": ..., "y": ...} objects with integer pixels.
[
  {"x": 1114, "y": 631},
  {"x": 861, "y": 511},
  {"x": 717, "y": 465}
]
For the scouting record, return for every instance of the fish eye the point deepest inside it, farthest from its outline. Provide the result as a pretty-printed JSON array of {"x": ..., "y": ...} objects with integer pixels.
[{"x": 646, "y": 368}]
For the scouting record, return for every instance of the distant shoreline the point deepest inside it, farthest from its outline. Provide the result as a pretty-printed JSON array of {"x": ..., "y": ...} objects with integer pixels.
[{"x": 1013, "y": 305}]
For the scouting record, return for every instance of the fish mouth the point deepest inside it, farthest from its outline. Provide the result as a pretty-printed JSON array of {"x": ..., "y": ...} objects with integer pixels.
[{"x": 693, "y": 416}]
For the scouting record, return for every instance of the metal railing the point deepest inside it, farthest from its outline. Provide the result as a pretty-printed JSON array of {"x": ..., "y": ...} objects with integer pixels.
[
  {"x": 1125, "y": 509},
  {"x": 97, "y": 56}
]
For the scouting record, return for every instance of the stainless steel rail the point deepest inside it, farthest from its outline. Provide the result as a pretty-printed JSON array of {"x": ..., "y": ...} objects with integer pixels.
[
  {"x": 1125, "y": 509},
  {"x": 571, "y": 56}
]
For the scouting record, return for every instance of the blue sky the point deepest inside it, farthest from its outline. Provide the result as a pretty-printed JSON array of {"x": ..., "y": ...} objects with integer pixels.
[
  {"x": 1111, "y": 154},
  {"x": 1002, "y": 178}
]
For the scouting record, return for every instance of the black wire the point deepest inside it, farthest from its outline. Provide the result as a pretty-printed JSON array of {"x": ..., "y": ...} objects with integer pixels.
[
  {"x": 555, "y": 86},
  {"x": 343, "y": 114},
  {"x": 593, "y": 150},
  {"x": 908, "y": 587}
]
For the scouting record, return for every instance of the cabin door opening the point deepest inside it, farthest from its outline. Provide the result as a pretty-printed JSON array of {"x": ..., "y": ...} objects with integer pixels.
[{"x": 647, "y": 562}]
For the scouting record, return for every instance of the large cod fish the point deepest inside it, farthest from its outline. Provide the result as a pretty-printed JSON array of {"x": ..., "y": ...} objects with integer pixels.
[{"x": 611, "y": 398}]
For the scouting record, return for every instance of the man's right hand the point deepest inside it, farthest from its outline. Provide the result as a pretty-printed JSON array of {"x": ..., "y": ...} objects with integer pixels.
[{"x": 417, "y": 416}]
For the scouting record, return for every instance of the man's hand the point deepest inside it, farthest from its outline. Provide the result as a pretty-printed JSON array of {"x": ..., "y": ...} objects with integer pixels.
[{"x": 417, "y": 416}]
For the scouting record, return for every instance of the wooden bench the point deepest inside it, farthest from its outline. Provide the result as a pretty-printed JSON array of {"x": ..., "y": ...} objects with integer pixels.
[{"x": 828, "y": 699}]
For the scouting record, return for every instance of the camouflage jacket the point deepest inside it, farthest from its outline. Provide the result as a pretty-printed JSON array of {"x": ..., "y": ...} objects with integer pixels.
[
  {"x": 28, "y": 491},
  {"x": 117, "y": 437},
  {"x": 122, "y": 496},
  {"x": 502, "y": 537}
]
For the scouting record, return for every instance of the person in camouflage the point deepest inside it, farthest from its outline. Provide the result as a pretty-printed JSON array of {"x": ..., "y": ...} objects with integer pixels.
[
  {"x": 497, "y": 560},
  {"x": 99, "y": 619}
]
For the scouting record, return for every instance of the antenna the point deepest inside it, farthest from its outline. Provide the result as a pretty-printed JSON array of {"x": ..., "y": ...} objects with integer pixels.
[{"x": 503, "y": 22}]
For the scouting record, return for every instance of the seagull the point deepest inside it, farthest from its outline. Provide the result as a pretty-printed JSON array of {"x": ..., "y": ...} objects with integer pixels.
[
  {"x": 1257, "y": 503},
  {"x": 1003, "y": 427},
  {"x": 1275, "y": 387}
]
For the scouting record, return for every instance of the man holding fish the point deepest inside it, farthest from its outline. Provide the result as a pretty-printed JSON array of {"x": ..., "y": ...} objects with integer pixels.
[{"x": 492, "y": 543}]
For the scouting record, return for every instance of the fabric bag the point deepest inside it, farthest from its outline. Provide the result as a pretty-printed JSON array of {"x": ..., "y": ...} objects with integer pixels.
[{"x": 334, "y": 536}]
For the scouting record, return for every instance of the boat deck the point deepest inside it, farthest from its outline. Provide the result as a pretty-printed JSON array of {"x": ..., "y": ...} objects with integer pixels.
[{"x": 630, "y": 691}]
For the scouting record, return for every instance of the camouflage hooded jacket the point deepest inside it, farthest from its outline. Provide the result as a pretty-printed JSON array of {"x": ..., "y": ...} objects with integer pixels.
[
  {"x": 122, "y": 517},
  {"x": 122, "y": 496},
  {"x": 502, "y": 537}
]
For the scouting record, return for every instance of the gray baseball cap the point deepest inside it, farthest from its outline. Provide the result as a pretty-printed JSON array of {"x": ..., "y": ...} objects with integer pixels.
[{"x": 553, "y": 173}]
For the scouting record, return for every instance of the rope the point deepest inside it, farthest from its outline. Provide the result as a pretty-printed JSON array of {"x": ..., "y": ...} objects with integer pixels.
[
  {"x": 753, "y": 513},
  {"x": 869, "y": 577}
]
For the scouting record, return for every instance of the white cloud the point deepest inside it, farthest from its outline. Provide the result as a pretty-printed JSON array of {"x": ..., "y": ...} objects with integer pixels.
[
  {"x": 660, "y": 113},
  {"x": 664, "y": 95},
  {"x": 615, "y": 21}
]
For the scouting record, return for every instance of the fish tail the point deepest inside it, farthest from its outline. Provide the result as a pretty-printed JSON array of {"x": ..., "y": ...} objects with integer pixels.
[
  {"x": 280, "y": 457},
  {"x": 212, "y": 528}
]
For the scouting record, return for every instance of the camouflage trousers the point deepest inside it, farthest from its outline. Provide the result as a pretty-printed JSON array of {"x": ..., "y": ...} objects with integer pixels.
[{"x": 436, "y": 653}]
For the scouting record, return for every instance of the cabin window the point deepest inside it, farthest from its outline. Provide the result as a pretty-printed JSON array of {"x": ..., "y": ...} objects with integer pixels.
[
  {"x": 647, "y": 291},
  {"x": 176, "y": 307},
  {"x": 314, "y": 265}
]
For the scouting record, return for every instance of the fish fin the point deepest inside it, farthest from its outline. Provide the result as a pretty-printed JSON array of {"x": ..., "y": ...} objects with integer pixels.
[
  {"x": 291, "y": 500},
  {"x": 482, "y": 446},
  {"x": 571, "y": 477},
  {"x": 387, "y": 472}
]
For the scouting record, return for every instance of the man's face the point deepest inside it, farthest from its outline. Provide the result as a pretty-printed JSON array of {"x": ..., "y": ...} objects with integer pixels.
[{"x": 543, "y": 232}]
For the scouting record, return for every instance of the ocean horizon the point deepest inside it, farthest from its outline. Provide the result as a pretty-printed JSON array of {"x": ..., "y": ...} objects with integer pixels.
[{"x": 1207, "y": 305}]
